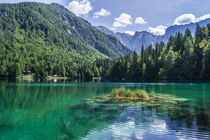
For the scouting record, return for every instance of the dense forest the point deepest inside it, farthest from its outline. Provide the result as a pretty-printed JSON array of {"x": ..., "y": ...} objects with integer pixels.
[
  {"x": 184, "y": 57},
  {"x": 47, "y": 39}
]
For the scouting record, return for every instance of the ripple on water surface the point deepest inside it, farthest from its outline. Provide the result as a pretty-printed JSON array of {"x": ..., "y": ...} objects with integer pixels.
[{"x": 65, "y": 110}]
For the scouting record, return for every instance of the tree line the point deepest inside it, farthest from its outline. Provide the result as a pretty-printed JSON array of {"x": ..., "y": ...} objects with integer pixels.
[
  {"x": 30, "y": 41},
  {"x": 184, "y": 57}
]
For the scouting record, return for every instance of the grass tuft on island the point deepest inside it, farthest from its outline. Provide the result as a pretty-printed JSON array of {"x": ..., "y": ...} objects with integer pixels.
[{"x": 122, "y": 93}]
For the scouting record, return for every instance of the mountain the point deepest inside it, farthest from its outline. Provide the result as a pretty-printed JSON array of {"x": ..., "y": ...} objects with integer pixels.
[
  {"x": 48, "y": 39},
  {"x": 134, "y": 42},
  {"x": 172, "y": 30},
  {"x": 106, "y": 44},
  {"x": 105, "y": 30},
  {"x": 55, "y": 20}
]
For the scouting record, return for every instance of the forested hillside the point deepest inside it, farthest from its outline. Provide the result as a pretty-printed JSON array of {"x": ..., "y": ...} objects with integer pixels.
[
  {"x": 48, "y": 39},
  {"x": 184, "y": 57}
]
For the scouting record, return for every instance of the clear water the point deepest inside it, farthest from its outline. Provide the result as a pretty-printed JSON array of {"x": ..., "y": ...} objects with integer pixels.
[{"x": 51, "y": 111}]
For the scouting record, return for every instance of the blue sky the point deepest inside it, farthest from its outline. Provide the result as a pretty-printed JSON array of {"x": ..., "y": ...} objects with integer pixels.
[{"x": 136, "y": 15}]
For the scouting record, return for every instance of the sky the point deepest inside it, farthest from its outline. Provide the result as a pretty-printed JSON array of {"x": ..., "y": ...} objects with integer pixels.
[{"x": 135, "y": 15}]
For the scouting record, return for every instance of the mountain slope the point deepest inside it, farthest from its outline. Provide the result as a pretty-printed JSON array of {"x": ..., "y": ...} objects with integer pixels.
[
  {"x": 172, "y": 30},
  {"x": 52, "y": 19},
  {"x": 145, "y": 38},
  {"x": 134, "y": 42},
  {"x": 48, "y": 39},
  {"x": 106, "y": 44}
]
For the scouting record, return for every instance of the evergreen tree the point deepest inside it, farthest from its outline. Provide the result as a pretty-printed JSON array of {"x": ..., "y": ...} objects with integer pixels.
[
  {"x": 187, "y": 59},
  {"x": 184, "y": 58},
  {"x": 18, "y": 69}
]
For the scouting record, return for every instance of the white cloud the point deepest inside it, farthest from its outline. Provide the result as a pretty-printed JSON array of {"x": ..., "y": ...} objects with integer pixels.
[
  {"x": 203, "y": 17},
  {"x": 130, "y": 32},
  {"x": 189, "y": 18},
  {"x": 78, "y": 7},
  {"x": 122, "y": 21},
  {"x": 103, "y": 12},
  {"x": 184, "y": 19},
  {"x": 140, "y": 20},
  {"x": 158, "y": 30}
]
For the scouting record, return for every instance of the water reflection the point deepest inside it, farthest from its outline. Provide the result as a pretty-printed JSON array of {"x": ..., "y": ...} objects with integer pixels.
[
  {"x": 156, "y": 122},
  {"x": 65, "y": 111}
]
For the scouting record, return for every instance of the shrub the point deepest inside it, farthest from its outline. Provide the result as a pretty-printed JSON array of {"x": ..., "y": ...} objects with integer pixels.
[
  {"x": 122, "y": 92},
  {"x": 119, "y": 91},
  {"x": 129, "y": 93},
  {"x": 152, "y": 94},
  {"x": 140, "y": 93}
]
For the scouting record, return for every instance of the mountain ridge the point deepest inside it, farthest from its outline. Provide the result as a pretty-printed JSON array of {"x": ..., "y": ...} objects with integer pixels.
[{"x": 134, "y": 42}]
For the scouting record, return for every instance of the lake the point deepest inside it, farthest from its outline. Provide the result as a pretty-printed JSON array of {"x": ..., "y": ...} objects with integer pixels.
[{"x": 64, "y": 110}]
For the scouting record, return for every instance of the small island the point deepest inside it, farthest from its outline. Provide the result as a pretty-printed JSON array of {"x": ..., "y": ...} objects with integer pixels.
[
  {"x": 140, "y": 96},
  {"x": 123, "y": 94}
]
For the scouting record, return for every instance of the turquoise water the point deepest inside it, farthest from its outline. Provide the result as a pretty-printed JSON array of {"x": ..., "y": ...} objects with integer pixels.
[{"x": 36, "y": 111}]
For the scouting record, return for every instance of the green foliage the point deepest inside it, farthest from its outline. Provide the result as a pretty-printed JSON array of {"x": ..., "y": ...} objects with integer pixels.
[
  {"x": 152, "y": 94},
  {"x": 140, "y": 93},
  {"x": 18, "y": 69},
  {"x": 119, "y": 91},
  {"x": 183, "y": 58},
  {"x": 122, "y": 92},
  {"x": 50, "y": 40}
]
